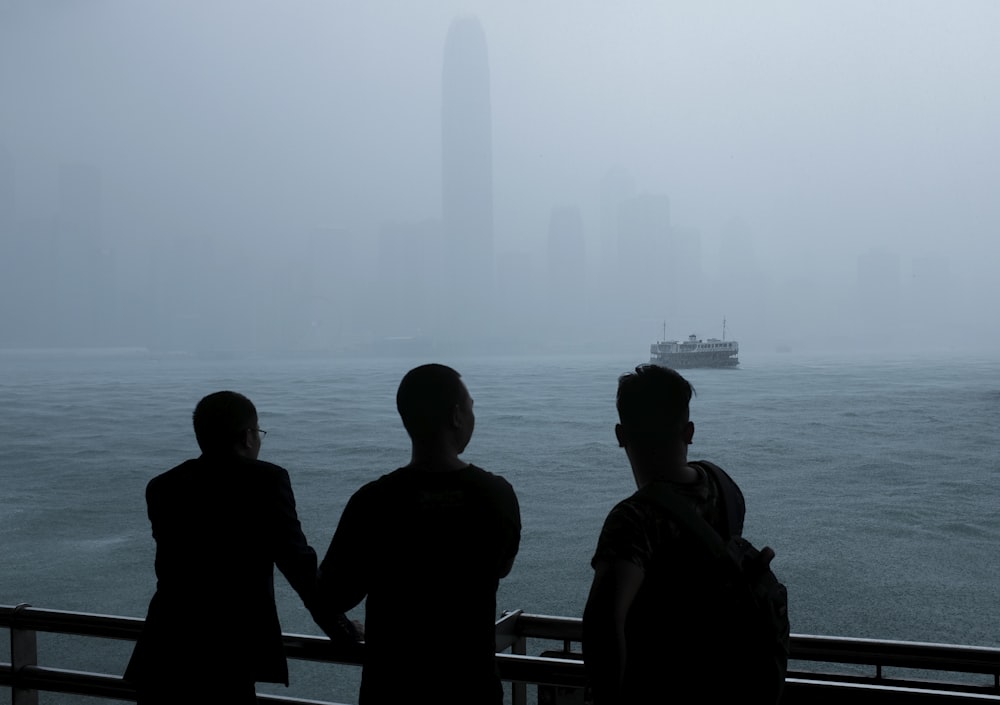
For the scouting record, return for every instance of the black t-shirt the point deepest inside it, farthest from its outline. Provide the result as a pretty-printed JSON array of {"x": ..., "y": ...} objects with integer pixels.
[
  {"x": 677, "y": 626},
  {"x": 428, "y": 550}
]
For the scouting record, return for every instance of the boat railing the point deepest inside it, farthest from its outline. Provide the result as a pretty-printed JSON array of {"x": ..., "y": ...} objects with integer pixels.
[{"x": 823, "y": 669}]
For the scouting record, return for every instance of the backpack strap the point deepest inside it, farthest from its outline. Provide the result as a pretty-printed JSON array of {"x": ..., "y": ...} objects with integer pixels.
[
  {"x": 685, "y": 515},
  {"x": 733, "y": 503}
]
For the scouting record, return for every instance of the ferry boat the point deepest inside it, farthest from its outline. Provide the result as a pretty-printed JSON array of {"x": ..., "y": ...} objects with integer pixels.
[{"x": 694, "y": 352}]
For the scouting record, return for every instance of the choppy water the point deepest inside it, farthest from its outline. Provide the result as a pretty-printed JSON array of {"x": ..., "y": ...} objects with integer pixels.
[{"x": 876, "y": 481}]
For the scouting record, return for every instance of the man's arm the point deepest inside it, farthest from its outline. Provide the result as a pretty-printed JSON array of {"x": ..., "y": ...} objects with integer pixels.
[
  {"x": 296, "y": 560},
  {"x": 513, "y": 526},
  {"x": 615, "y": 586},
  {"x": 343, "y": 572},
  {"x": 293, "y": 555}
]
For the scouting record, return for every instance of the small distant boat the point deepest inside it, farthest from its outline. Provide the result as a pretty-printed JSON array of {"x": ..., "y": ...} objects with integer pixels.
[{"x": 695, "y": 352}]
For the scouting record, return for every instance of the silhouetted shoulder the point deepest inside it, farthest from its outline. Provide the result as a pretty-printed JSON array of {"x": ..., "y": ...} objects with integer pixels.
[
  {"x": 488, "y": 477},
  {"x": 264, "y": 470},
  {"x": 475, "y": 477},
  {"x": 471, "y": 478},
  {"x": 203, "y": 468},
  {"x": 404, "y": 486},
  {"x": 227, "y": 475},
  {"x": 178, "y": 479}
]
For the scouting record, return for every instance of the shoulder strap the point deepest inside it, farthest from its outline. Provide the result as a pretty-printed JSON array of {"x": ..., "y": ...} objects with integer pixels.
[
  {"x": 685, "y": 514},
  {"x": 732, "y": 496}
]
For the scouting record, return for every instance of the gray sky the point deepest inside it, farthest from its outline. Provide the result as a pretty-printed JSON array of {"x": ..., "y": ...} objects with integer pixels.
[{"x": 825, "y": 129}]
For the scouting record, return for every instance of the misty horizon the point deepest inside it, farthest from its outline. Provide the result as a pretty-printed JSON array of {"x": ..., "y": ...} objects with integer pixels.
[{"x": 263, "y": 178}]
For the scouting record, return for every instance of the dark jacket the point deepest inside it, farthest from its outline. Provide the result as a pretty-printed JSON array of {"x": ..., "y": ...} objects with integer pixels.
[{"x": 221, "y": 524}]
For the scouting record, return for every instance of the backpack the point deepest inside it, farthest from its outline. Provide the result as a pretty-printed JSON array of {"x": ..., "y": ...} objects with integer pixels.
[{"x": 761, "y": 598}]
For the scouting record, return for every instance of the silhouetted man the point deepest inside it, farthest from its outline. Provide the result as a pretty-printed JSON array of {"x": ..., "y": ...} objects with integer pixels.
[
  {"x": 662, "y": 622},
  {"x": 221, "y": 523},
  {"x": 427, "y": 544}
]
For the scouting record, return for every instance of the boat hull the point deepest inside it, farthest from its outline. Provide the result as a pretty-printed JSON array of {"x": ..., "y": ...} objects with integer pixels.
[{"x": 680, "y": 361}]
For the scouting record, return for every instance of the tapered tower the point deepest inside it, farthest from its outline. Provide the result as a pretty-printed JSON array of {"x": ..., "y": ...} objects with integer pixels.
[{"x": 467, "y": 176}]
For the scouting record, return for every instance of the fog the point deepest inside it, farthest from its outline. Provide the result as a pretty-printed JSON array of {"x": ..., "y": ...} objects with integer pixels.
[{"x": 368, "y": 178}]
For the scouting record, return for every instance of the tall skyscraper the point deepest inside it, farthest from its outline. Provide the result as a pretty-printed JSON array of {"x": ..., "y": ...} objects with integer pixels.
[{"x": 467, "y": 178}]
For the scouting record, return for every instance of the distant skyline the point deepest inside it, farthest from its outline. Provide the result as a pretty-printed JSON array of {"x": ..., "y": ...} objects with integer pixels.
[{"x": 826, "y": 174}]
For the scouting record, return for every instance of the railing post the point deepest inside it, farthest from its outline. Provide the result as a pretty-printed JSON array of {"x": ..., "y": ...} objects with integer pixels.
[
  {"x": 23, "y": 652},
  {"x": 519, "y": 691},
  {"x": 508, "y": 636}
]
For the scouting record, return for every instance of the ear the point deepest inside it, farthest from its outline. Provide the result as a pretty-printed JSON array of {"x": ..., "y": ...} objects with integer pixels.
[
  {"x": 687, "y": 433},
  {"x": 620, "y": 435},
  {"x": 456, "y": 416}
]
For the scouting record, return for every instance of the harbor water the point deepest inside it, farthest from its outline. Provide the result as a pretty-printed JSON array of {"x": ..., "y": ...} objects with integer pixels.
[{"x": 876, "y": 480}]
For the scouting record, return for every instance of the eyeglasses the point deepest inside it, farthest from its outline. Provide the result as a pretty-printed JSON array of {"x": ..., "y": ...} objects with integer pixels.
[{"x": 260, "y": 432}]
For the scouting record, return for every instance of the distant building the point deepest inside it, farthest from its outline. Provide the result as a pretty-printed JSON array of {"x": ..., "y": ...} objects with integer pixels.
[
  {"x": 467, "y": 177},
  {"x": 410, "y": 263},
  {"x": 519, "y": 290},
  {"x": 567, "y": 272},
  {"x": 742, "y": 290},
  {"x": 617, "y": 186},
  {"x": 645, "y": 270},
  {"x": 314, "y": 293}
]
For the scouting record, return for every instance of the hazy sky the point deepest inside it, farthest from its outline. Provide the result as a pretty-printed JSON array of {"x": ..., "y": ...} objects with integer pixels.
[{"x": 826, "y": 128}]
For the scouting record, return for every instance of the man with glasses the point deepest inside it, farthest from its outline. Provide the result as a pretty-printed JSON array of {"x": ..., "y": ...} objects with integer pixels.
[{"x": 221, "y": 523}]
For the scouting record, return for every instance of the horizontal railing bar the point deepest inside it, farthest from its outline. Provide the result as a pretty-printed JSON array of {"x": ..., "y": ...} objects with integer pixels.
[
  {"x": 543, "y": 626},
  {"x": 829, "y": 649},
  {"x": 805, "y": 647},
  {"x": 319, "y": 648},
  {"x": 57, "y": 680},
  {"x": 917, "y": 683},
  {"x": 289, "y": 700},
  {"x": 60, "y": 680},
  {"x": 541, "y": 670},
  {"x": 903, "y": 654},
  {"x": 812, "y": 691},
  {"x": 76, "y": 623},
  {"x": 515, "y": 626}
]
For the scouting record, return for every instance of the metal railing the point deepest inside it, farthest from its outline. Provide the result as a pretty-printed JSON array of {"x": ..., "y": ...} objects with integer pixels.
[{"x": 823, "y": 669}]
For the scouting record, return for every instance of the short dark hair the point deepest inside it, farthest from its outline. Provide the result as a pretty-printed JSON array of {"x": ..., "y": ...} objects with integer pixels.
[
  {"x": 426, "y": 398},
  {"x": 220, "y": 417},
  {"x": 653, "y": 403}
]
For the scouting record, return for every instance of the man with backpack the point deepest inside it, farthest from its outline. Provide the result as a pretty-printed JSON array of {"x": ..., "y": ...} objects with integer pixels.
[{"x": 682, "y": 608}]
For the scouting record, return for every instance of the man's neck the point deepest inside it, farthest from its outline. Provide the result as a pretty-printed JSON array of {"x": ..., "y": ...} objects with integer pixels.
[
  {"x": 436, "y": 459},
  {"x": 658, "y": 467},
  {"x": 223, "y": 453}
]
